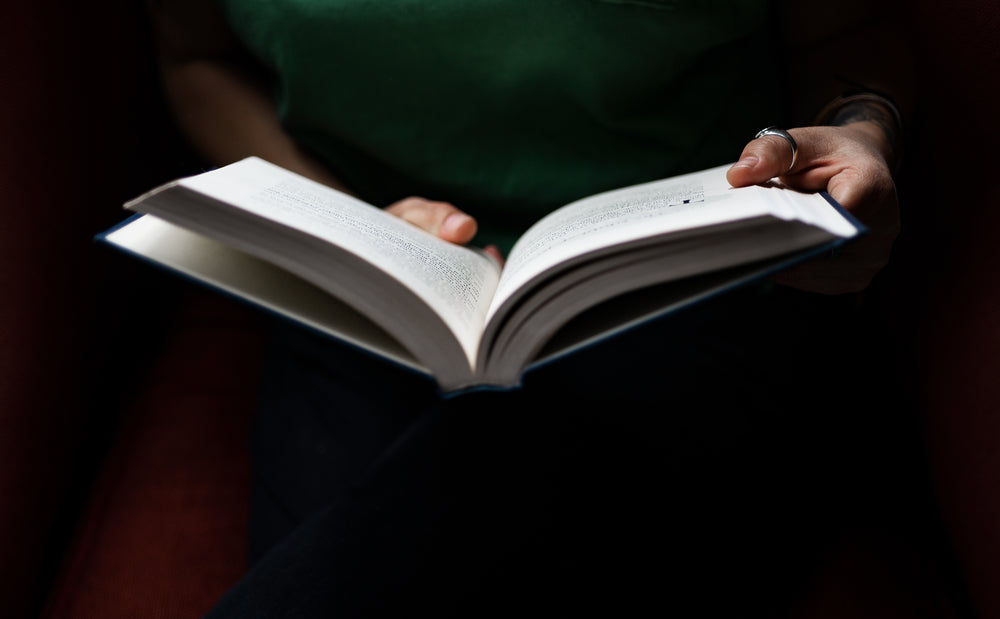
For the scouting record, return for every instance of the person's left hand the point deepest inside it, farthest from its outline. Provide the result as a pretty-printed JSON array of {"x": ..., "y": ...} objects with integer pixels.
[
  {"x": 850, "y": 163},
  {"x": 442, "y": 219}
]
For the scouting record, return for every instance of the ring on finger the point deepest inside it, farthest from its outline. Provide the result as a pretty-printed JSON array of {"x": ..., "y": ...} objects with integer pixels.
[{"x": 781, "y": 133}]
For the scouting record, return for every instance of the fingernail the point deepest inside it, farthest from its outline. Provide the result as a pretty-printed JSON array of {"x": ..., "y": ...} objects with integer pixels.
[
  {"x": 747, "y": 162},
  {"x": 454, "y": 223}
]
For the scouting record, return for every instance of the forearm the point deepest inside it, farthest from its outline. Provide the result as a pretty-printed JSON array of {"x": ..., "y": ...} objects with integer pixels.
[
  {"x": 879, "y": 118},
  {"x": 215, "y": 90},
  {"x": 226, "y": 116}
]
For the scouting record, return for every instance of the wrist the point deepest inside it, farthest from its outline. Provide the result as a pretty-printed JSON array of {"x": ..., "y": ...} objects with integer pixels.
[{"x": 875, "y": 115}]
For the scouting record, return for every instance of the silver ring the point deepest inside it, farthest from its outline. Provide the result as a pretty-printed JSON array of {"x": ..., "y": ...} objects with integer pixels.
[{"x": 781, "y": 133}]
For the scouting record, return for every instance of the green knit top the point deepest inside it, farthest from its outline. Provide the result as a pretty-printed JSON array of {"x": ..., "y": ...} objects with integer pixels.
[{"x": 509, "y": 108}]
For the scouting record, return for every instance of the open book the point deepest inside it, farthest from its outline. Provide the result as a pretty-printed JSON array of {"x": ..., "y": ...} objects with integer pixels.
[{"x": 589, "y": 269}]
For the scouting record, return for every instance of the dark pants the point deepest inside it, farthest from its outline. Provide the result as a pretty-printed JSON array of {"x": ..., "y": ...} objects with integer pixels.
[{"x": 694, "y": 464}]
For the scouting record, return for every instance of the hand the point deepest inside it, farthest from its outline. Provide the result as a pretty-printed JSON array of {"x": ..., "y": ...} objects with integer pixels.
[
  {"x": 850, "y": 163},
  {"x": 440, "y": 219}
]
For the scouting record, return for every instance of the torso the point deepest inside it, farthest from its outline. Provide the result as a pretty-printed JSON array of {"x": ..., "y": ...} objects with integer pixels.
[{"x": 509, "y": 108}]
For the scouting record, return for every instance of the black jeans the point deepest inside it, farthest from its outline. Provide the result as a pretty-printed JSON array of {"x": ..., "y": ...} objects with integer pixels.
[{"x": 694, "y": 464}]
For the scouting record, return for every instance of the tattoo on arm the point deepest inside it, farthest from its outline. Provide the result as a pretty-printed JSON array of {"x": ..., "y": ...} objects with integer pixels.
[
  {"x": 867, "y": 107},
  {"x": 868, "y": 111}
]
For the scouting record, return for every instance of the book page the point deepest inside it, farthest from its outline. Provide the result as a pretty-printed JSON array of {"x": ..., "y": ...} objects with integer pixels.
[
  {"x": 614, "y": 217},
  {"x": 256, "y": 281},
  {"x": 457, "y": 282}
]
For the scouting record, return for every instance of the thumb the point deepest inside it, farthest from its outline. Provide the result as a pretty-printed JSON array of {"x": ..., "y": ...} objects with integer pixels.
[
  {"x": 439, "y": 218},
  {"x": 762, "y": 159}
]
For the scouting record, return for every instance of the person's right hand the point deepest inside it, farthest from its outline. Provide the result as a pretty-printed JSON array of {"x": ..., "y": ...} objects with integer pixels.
[
  {"x": 441, "y": 219},
  {"x": 850, "y": 162}
]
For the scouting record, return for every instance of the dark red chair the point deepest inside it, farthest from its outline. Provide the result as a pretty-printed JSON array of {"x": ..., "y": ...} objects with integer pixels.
[{"x": 125, "y": 396}]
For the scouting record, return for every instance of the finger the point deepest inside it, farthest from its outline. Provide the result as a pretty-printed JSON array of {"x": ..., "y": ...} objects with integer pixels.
[
  {"x": 494, "y": 252},
  {"x": 762, "y": 159},
  {"x": 866, "y": 191},
  {"x": 439, "y": 218}
]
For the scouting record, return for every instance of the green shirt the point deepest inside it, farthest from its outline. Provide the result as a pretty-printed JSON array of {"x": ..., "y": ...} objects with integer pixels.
[{"x": 509, "y": 108}]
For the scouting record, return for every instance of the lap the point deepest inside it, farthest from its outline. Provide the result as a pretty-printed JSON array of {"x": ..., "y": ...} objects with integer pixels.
[{"x": 677, "y": 442}]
